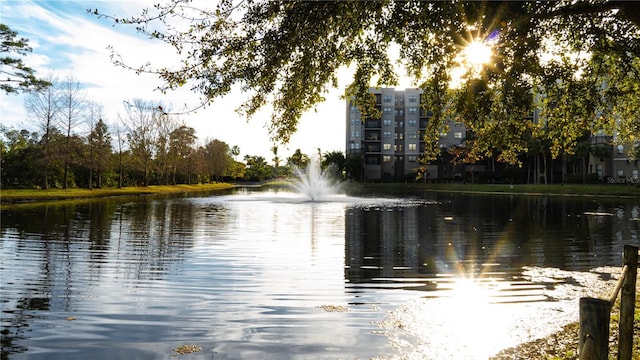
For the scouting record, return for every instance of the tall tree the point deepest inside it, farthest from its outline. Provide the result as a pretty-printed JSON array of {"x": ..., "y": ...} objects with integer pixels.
[
  {"x": 100, "y": 151},
  {"x": 141, "y": 134},
  {"x": 276, "y": 160},
  {"x": 15, "y": 75},
  {"x": 181, "y": 151},
  {"x": 298, "y": 159},
  {"x": 43, "y": 109},
  {"x": 217, "y": 157},
  {"x": 235, "y": 151},
  {"x": 289, "y": 52},
  {"x": 73, "y": 105},
  {"x": 335, "y": 161},
  {"x": 164, "y": 125},
  {"x": 121, "y": 140}
]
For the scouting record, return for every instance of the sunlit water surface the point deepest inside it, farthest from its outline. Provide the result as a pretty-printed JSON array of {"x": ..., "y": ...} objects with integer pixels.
[{"x": 269, "y": 274}]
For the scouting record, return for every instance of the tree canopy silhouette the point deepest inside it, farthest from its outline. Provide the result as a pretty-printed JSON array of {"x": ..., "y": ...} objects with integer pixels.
[
  {"x": 575, "y": 61},
  {"x": 15, "y": 76}
]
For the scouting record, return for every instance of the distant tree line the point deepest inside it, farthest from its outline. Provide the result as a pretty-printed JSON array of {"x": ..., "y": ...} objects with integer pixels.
[{"x": 74, "y": 146}]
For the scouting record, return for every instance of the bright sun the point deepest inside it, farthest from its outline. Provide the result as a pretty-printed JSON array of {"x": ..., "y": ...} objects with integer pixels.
[
  {"x": 470, "y": 61},
  {"x": 477, "y": 53}
]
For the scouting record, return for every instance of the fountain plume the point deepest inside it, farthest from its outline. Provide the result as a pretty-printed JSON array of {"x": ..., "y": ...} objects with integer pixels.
[{"x": 313, "y": 182}]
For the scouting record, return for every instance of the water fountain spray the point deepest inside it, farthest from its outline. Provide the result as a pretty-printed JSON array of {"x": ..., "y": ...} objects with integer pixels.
[{"x": 313, "y": 182}]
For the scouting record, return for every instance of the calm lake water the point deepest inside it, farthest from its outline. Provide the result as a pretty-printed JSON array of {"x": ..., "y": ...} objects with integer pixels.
[{"x": 264, "y": 274}]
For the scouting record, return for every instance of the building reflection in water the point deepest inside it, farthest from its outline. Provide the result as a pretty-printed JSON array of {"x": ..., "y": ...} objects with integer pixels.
[{"x": 481, "y": 236}]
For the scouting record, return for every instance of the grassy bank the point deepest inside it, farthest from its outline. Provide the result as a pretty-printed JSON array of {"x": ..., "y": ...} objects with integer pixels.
[
  {"x": 573, "y": 189},
  {"x": 14, "y": 196}
]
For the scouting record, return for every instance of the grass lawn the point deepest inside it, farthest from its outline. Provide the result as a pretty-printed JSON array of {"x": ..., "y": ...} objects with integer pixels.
[
  {"x": 13, "y": 196},
  {"x": 573, "y": 189}
]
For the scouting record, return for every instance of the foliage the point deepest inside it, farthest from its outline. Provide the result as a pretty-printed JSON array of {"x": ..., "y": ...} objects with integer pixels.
[
  {"x": 15, "y": 76},
  {"x": 181, "y": 151},
  {"x": 257, "y": 168},
  {"x": 99, "y": 151},
  {"x": 335, "y": 161},
  {"x": 354, "y": 167},
  {"x": 579, "y": 58},
  {"x": 150, "y": 148},
  {"x": 298, "y": 159},
  {"x": 217, "y": 160},
  {"x": 20, "y": 154}
]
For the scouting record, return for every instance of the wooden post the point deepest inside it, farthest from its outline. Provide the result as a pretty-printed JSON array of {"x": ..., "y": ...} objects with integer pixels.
[
  {"x": 594, "y": 329},
  {"x": 628, "y": 303}
]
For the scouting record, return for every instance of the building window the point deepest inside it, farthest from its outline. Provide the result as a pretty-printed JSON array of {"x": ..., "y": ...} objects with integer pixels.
[
  {"x": 386, "y": 146},
  {"x": 412, "y": 146},
  {"x": 413, "y": 136},
  {"x": 457, "y": 135},
  {"x": 443, "y": 135},
  {"x": 620, "y": 173},
  {"x": 412, "y": 122},
  {"x": 412, "y": 158},
  {"x": 386, "y": 122},
  {"x": 399, "y": 112},
  {"x": 386, "y": 158},
  {"x": 399, "y": 147},
  {"x": 387, "y": 110},
  {"x": 458, "y": 124},
  {"x": 373, "y": 160},
  {"x": 386, "y": 134},
  {"x": 413, "y": 110},
  {"x": 599, "y": 169},
  {"x": 620, "y": 149},
  {"x": 413, "y": 99},
  {"x": 634, "y": 174},
  {"x": 387, "y": 98}
]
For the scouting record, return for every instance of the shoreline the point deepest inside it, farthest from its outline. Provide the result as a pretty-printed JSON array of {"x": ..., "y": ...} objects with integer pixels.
[
  {"x": 39, "y": 196},
  {"x": 563, "y": 344},
  {"x": 33, "y": 196}
]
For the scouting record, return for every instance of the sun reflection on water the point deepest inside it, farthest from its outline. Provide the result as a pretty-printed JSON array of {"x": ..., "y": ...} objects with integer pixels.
[{"x": 474, "y": 317}]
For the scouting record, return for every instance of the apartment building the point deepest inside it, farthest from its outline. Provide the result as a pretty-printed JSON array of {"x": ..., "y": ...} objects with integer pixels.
[{"x": 391, "y": 146}]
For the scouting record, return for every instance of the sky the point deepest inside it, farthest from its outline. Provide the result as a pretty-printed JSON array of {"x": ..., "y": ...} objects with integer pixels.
[{"x": 67, "y": 41}]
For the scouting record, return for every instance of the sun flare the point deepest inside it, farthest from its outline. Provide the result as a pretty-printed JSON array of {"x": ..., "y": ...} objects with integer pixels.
[
  {"x": 471, "y": 59},
  {"x": 477, "y": 53}
]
